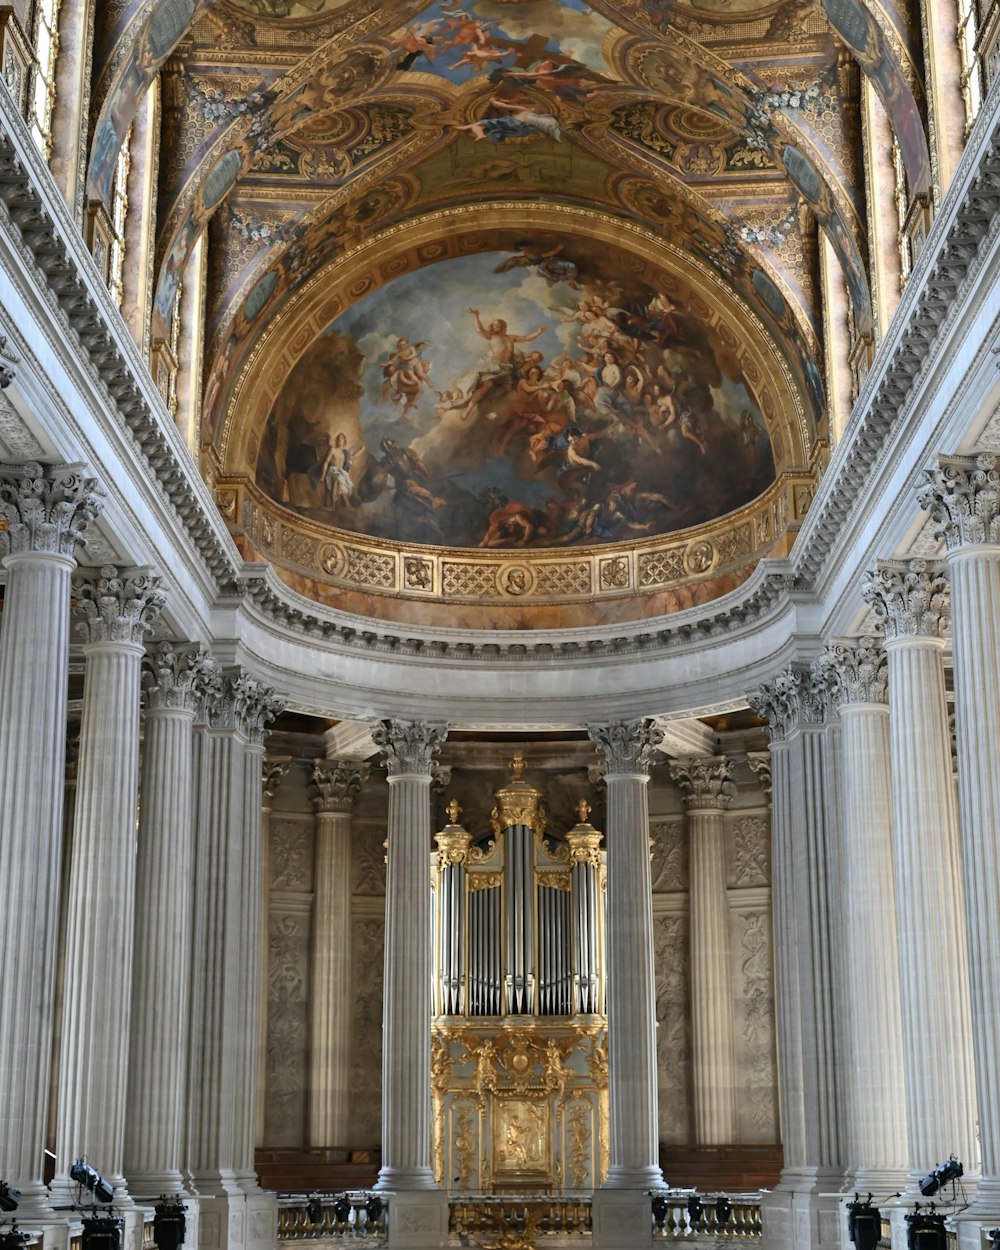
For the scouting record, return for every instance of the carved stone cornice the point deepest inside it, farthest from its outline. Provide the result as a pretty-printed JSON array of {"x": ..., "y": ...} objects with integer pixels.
[
  {"x": 760, "y": 766},
  {"x": 409, "y": 746},
  {"x": 789, "y": 701},
  {"x": 855, "y": 670},
  {"x": 910, "y": 598},
  {"x": 9, "y": 360},
  {"x": 962, "y": 496},
  {"x": 272, "y": 774},
  {"x": 625, "y": 746},
  {"x": 177, "y": 675},
  {"x": 334, "y": 785},
  {"x": 243, "y": 704},
  {"x": 46, "y": 508},
  {"x": 706, "y": 782},
  {"x": 583, "y": 840},
  {"x": 116, "y": 605}
]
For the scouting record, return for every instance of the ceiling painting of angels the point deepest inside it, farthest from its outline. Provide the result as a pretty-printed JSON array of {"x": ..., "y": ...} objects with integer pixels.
[{"x": 533, "y": 397}]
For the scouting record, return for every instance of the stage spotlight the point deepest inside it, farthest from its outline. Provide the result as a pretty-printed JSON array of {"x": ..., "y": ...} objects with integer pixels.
[
  {"x": 102, "y": 1232},
  {"x": 373, "y": 1208},
  {"x": 694, "y": 1209},
  {"x": 722, "y": 1209},
  {"x": 13, "y": 1239},
  {"x": 9, "y": 1198},
  {"x": 660, "y": 1209},
  {"x": 169, "y": 1223},
  {"x": 925, "y": 1230},
  {"x": 994, "y": 1233},
  {"x": 950, "y": 1170},
  {"x": 314, "y": 1210},
  {"x": 90, "y": 1179},
  {"x": 864, "y": 1223},
  {"x": 342, "y": 1209}
]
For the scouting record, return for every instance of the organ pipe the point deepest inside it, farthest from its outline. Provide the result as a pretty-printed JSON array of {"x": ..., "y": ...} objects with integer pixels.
[
  {"x": 453, "y": 851},
  {"x": 584, "y": 843}
]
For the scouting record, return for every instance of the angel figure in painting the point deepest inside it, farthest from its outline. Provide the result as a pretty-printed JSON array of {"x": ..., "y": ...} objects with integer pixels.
[
  {"x": 548, "y": 262},
  {"x": 519, "y": 123},
  {"x": 407, "y": 375}
]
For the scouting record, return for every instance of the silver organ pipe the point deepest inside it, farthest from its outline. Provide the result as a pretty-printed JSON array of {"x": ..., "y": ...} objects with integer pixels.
[
  {"x": 519, "y": 920},
  {"x": 453, "y": 851},
  {"x": 584, "y": 853}
]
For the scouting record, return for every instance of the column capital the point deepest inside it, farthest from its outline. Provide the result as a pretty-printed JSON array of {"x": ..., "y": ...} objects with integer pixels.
[
  {"x": 334, "y": 785},
  {"x": 625, "y": 746},
  {"x": 962, "y": 496},
  {"x": 175, "y": 675},
  {"x": 272, "y": 773},
  {"x": 706, "y": 782},
  {"x": 409, "y": 746},
  {"x": 791, "y": 699},
  {"x": 909, "y": 597},
  {"x": 243, "y": 703},
  {"x": 116, "y": 605},
  {"x": 47, "y": 508},
  {"x": 855, "y": 670},
  {"x": 760, "y": 766}
]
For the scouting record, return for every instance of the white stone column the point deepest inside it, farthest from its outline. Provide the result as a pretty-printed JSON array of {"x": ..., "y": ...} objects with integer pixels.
[
  {"x": 873, "y": 1085},
  {"x": 802, "y": 1212},
  {"x": 115, "y": 611},
  {"x": 707, "y": 788},
  {"x": 221, "y": 1111},
  {"x": 625, "y": 748},
  {"x": 45, "y": 511},
  {"x": 409, "y": 749},
  {"x": 174, "y": 677},
  {"x": 335, "y": 786},
  {"x": 910, "y": 599},
  {"x": 963, "y": 497}
]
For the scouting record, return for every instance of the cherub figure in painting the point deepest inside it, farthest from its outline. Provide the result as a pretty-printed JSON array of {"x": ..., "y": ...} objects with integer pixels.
[{"x": 407, "y": 375}]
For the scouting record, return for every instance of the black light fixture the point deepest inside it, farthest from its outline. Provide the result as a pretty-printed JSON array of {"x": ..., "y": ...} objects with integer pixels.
[
  {"x": 722, "y": 1209},
  {"x": 13, "y": 1238},
  {"x": 994, "y": 1233},
  {"x": 90, "y": 1179},
  {"x": 373, "y": 1208},
  {"x": 950, "y": 1170},
  {"x": 864, "y": 1223},
  {"x": 9, "y": 1197},
  {"x": 314, "y": 1209},
  {"x": 102, "y": 1232},
  {"x": 661, "y": 1207},
  {"x": 169, "y": 1223},
  {"x": 925, "y": 1230},
  {"x": 694, "y": 1209},
  {"x": 342, "y": 1208}
]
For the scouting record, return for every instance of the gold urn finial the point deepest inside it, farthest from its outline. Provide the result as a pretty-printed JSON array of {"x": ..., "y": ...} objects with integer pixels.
[
  {"x": 583, "y": 840},
  {"x": 518, "y": 802},
  {"x": 454, "y": 811},
  {"x": 517, "y": 766},
  {"x": 583, "y": 810}
]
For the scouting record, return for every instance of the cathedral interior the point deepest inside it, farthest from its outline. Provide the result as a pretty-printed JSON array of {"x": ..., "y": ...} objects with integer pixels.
[{"x": 499, "y": 647}]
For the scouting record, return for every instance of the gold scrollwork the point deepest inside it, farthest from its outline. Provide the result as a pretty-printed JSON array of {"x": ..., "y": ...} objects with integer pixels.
[{"x": 483, "y": 880}]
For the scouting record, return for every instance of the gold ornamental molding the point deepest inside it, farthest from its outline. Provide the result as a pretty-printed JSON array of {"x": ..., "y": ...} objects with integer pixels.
[{"x": 518, "y": 803}]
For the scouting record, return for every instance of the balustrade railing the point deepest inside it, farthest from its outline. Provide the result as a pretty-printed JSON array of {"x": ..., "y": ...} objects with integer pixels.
[
  {"x": 687, "y": 1215},
  {"x": 521, "y": 1217},
  {"x": 356, "y": 1216}
]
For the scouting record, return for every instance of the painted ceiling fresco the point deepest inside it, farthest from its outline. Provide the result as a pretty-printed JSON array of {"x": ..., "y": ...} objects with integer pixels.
[
  {"x": 299, "y": 131},
  {"x": 532, "y": 397}
]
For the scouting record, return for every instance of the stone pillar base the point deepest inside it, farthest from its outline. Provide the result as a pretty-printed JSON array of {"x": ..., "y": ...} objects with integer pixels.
[
  {"x": 222, "y": 1223},
  {"x": 262, "y": 1221},
  {"x": 818, "y": 1221},
  {"x": 804, "y": 1211},
  {"x": 776, "y": 1218},
  {"x": 418, "y": 1220},
  {"x": 623, "y": 1219}
]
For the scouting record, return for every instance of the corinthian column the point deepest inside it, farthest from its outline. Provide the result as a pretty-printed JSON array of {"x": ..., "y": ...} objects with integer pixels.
[
  {"x": 273, "y": 772},
  {"x": 174, "y": 677},
  {"x": 625, "y": 748},
  {"x": 409, "y": 750},
  {"x": 45, "y": 511},
  {"x": 963, "y": 497},
  {"x": 874, "y": 1087},
  {"x": 707, "y": 787},
  {"x": 335, "y": 786},
  {"x": 804, "y": 908},
  {"x": 910, "y": 599},
  {"x": 115, "y": 612}
]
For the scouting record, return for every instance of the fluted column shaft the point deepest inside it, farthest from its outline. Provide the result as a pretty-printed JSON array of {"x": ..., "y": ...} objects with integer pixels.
[
  {"x": 44, "y": 511},
  {"x": 874, "y": 1086},
  {"x": 406, "y": 1029},
  {"x": 934, "y": 980},
  {"x": 115, "y": 613},
  {"x": 963, "y": 496},
  {"x": 336, "y": 786},
  {"x": 162, "y": 950},
  {"x": 707, "y": 787},
  {"x": 632, "y": 1088},
  {"x": 271, "y": 777}
]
